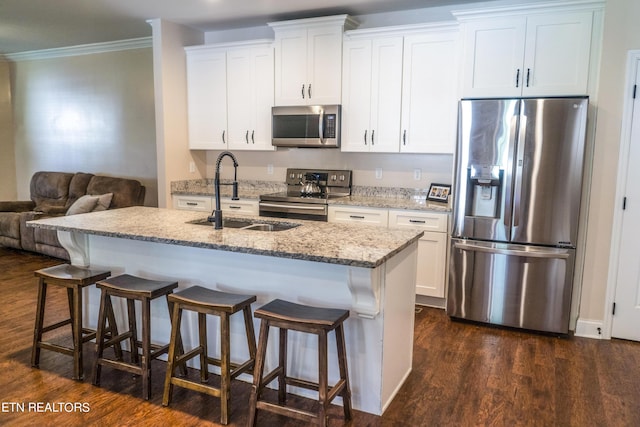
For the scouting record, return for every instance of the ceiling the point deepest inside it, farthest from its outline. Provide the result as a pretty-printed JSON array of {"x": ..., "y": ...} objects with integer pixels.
[{"x": 27, "y": 25}]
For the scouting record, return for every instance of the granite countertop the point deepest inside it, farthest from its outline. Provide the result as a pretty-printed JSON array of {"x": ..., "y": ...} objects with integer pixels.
[
  {"x": 370, "y": 197},
  {"x": 355, "y": 245}
]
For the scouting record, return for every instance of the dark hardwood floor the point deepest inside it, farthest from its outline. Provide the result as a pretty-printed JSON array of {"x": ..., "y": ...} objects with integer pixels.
[{"x": 463, "y": 375}]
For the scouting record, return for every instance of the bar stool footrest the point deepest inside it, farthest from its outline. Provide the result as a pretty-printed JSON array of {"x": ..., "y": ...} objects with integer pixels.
[
  {"x": 236, "y": 368},
  {"x": 56, "y": 325},
  {"x": 55, "y": 347},
  {"x": 123, "y": 366},
  {"x": 286, "y": 411},
  {"x": 196, "y": 386}
]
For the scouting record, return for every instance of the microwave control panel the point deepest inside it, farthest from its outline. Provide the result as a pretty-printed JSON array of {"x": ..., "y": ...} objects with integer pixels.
[{"x": 330, "y": 126}]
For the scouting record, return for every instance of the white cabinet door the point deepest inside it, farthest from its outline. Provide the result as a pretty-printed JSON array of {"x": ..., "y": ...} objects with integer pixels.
[
  {"x": 372, "y": 90},
  {"x": 386, "y": 94},
  {"x": 193, "y": 203},
  {"x": 432, "y": 248},
  {"x": 493, "y": 52},
  {"x": 545, "y": 54},
  {"x": 430, "y": 275},
  {"x": 243, "y": 206},
  {"x": 324, "y": 65},
  {"x": 308, "y": 65},
  {"x": 250, "y": 96},
  {"x": 557, "y": 54},
  {"x": 207, "y": 99},
  {"x": 356, "y": 95},
  {"x": 430, "y": 93},
  {"x": 291, "y": 67}
]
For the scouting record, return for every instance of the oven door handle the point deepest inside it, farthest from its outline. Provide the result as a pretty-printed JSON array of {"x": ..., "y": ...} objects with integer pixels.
[{"x": 310, "y": 208}]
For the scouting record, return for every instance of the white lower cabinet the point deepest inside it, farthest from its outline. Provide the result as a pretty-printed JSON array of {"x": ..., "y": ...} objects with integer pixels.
[
  {"x": 193, "y": 203},
  {"x": 207, "y": 204},
  {"x": 432, "y": 248},
  {"x": 355, "y": 214},
  {"x": 245, "y": 207}
]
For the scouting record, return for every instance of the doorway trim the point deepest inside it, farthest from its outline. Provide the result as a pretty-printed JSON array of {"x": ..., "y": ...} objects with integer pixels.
[{"x": 633, "y": 61}]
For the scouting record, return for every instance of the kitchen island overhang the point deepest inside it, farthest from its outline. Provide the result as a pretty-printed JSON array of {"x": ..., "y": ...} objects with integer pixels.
[{"x": 368, "y": 270}]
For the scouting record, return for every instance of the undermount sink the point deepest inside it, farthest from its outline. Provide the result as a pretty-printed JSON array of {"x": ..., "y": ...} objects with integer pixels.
[{"x": 247, "y": 224}]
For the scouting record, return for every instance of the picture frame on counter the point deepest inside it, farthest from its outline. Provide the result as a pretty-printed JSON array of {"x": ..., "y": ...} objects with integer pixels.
[{"x": 439, "y": 193}]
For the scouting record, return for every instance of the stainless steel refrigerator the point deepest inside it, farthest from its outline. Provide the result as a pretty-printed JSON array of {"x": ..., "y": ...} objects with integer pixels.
[{"x": 518, "y": 182}]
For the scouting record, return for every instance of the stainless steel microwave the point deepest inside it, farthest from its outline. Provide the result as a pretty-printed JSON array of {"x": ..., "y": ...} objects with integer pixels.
[{"x": 306, "y": 126}]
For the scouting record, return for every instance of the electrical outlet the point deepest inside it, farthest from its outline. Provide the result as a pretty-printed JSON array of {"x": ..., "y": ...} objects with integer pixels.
[
  {"x": 417, "y": 174},
  {"x": 269, "y": 169},
  {"x": 378, "y": 173},
  {"x": 192, "y": 167}
]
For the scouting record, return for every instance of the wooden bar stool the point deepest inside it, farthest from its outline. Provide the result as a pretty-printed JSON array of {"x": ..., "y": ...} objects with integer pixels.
[
  {"x": 314, "y": 320},
  {"x": 207, "y": 301},
  {"x": 133, "y": 289},
  {"x": 74, "y": 279}
]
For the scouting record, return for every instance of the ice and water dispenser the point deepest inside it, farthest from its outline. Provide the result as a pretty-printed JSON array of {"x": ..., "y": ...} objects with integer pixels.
[{"x": 483, "y": 190}]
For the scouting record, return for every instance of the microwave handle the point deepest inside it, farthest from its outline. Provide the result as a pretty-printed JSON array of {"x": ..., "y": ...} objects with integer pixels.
[{"x": 321, "y": 126}]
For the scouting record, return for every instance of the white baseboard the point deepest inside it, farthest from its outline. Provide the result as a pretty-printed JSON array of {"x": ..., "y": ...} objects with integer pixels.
[{"x": 587, "y": 328}]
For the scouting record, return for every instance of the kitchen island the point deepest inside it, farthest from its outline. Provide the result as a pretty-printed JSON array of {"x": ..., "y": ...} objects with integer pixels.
[{"x": 367, "y": 270}]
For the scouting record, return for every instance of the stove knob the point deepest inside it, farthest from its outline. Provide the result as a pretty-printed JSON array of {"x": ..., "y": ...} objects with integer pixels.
[
  {"x": 334, "y": 178},
  {"x": 342, "y": 178},
  {"x": 292, "y": 175}
]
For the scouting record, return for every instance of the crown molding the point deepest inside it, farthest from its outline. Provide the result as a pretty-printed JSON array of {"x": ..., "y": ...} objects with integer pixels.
[{"x": 84, "y": 49}]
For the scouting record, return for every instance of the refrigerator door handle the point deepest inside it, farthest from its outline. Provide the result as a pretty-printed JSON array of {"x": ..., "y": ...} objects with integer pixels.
[
  {"x": 508, "y": 186},
  {"x": 517, "y": 191},
  {"x": 516, "y": 251}
]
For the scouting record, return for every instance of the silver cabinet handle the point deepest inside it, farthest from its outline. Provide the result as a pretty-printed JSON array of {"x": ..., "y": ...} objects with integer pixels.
[
  {"x": 253, "y": 141},
  {"x": 418, "y": 221},
  {"x": 373, "y": 132},
  {"x": 246, "y": 137},
  {"x": 309, "y": 90},
  {"x": 365, "y": 137},
  {"x": 234, "y": 207},
  {"x": 356, "y": 216},
  {"x": 223, "y": 141},
  {"x": 518, "y": 77},
  {"x": 303, "y": 91},
  {"x": 192, "y": 204},
  {"x": 404, "y": 137},
  {"x": 528, "y": 74}
]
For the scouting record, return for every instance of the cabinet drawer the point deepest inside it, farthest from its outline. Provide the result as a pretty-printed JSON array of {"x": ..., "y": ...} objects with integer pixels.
[
  {"x": 429, "y": 221},
  {"x": 358, "y": 215},
  {"x": 193, "y": 203},
  {"x": 249, "y": 207}
]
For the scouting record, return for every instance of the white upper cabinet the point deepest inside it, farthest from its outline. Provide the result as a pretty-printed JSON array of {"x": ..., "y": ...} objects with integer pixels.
[
  {"x": 400, "y": 89},
  {"x": 207, "y": 98},
  {"x": 308, "y": 60},
  {"x": 230, "y": 94},
  {"x": 430, "y": 92},
  {"x": 371, "y": 97},
  {"x": 529, "y": 54},
  {"x": 250, "y": 97}
]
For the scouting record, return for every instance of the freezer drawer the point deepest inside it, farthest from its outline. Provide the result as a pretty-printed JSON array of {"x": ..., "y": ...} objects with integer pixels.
[{"x": 512, "y": 285}]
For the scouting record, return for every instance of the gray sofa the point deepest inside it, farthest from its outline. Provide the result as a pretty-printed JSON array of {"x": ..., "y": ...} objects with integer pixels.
[{"x": 53, "y": 194}]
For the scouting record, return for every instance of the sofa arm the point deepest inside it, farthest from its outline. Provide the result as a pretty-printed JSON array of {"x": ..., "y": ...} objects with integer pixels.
[{"x": 17, "y": 206}]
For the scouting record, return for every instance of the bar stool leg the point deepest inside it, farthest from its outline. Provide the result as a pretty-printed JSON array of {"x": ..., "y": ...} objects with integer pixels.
[
  {"x": 76, "y": 321},
  {"x": 282, "y": 363},
  {"x": 250, "y": 332},
  {"x": 133, "y": 330},
  {"x": 179, "y": 346},
  {"x": 258, "y": 371},
  {"x": 204, "y": 347},
  {"x": 146, "y": 349},
  {"x": 344, "y": 374},
  {"x": 322, "y": 379},
  {"x": 97, "y": 368},
  {"x": 113, "y": 330},
  {"x": 37, "y": 330},
  {"x": 225, "y": 368},
  {"x": 176, "y": 318}
]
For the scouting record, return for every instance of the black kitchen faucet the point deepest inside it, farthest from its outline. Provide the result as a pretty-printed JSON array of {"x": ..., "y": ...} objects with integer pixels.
[{"x": 216, "y": 216}]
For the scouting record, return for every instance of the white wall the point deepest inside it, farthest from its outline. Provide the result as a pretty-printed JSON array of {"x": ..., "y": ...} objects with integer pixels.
[
  {"x": 88, "y": 113},
  {"x": 621, "y": 34},
  {"x": 7, "y": 154}
]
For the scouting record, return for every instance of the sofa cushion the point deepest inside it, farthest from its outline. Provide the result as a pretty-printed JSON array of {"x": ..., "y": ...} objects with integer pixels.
[
  {"x": 50, "y": 191},
  {"x": 126, "y": 192},
  {"x": 78, "y": 187},
  {"x": 10, "y": 226},
  {"x": 89, "y": 203}
]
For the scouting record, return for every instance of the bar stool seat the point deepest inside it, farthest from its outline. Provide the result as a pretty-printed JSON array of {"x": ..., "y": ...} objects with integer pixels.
[
  {"x": 303, "y": 318},
  {"x": 133, "y": 289},
  {"x": 208, "y": 301},
  {"x": 74, "y": 279}
]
